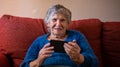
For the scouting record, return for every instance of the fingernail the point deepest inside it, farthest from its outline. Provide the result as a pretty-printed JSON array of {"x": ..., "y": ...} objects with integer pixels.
[{"x": 74, "y": 40}]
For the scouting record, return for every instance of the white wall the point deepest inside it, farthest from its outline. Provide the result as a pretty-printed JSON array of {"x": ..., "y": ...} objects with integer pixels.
[{"x": 105, "y": 10}]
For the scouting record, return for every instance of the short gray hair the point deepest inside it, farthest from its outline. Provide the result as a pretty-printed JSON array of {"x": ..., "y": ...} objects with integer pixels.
[{"x": 58, "y": 9}]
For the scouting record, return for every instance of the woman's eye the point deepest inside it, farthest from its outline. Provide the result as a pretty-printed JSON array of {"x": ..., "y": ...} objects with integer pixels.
[
  {"x": 54, "y": 20},
  {"x": 62, "y": 20}
]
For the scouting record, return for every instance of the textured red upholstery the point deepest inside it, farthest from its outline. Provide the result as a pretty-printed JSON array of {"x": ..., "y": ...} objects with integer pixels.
[
  {"x": 111, "y": 44},
  {"x": 91, "y": 28},
  {"x": 4, "y": 61},
  {"x": 3, "y": 21},
  {"x": 17, "y": 35}
]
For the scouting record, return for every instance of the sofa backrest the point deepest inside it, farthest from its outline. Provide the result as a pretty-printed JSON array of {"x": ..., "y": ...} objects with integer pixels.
[
  {"x": 111, "y": 44},
  {"x": 91, "y": 28},
  {"x": 16, "y": 35}
]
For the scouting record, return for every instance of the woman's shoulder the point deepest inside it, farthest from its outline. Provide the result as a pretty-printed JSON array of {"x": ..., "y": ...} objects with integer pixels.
[
  {"x": 40, "y": 38},
  {"x": 74, "y": 32},
  {"x": 43, "y": 36}
]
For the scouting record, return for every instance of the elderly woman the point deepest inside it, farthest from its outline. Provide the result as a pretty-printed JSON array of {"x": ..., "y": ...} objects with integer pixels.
[{"x": 76, "y": 51}]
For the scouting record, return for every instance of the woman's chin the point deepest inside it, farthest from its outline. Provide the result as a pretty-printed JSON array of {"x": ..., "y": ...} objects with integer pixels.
[{"x": 57, "y": 33}]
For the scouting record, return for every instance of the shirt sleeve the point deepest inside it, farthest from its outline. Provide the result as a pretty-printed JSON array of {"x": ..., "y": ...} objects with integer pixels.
[
  {"x": 32, "y": 53},
  {"x": 90, "y": 58}
]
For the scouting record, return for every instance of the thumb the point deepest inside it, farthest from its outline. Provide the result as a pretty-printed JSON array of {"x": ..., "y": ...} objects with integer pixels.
[{"x": 74, "y": 40}]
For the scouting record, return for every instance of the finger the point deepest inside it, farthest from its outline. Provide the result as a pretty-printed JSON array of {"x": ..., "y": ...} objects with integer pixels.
[
  {"x": 46, "y": 45},
  {"x": 74, "y": 41},
  {"x": 73, "y": 44},
  {"x": 70, "y": 52},
  {"x": 47, "y": 55},
  {"x": 49, "y": 52},
  {"x": 46, "y": 52},
  {"x": 50, "y": 48},
  {"x": 76, "y": 45},
  {"x": 72, "y": 48},
  {"x": 67, "y": 48}
]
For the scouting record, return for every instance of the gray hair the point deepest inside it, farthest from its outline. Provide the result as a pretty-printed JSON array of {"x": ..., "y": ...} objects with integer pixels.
[{"x": 58, "y": 9}]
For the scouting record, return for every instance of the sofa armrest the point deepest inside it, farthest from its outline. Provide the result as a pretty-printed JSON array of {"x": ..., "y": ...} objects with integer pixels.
[{"x": 4, "y": 62}]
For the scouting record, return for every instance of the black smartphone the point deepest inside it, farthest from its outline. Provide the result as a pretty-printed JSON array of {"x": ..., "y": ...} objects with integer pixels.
[{"x": 58, "y": 45}]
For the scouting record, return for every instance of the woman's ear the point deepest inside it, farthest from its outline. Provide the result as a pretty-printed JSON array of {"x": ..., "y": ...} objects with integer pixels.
[{"x": 47, "y": 24}]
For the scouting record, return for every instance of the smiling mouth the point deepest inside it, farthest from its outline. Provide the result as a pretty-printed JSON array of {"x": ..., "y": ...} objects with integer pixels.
[{"x": 58, "y": 28}]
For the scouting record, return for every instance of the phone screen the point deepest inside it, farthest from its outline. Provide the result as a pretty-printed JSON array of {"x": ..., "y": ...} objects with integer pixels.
[{"x": 58, "y": 45}]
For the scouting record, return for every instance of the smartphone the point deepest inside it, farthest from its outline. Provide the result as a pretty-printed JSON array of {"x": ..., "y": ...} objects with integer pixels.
[{"x": 58, "y": 45}]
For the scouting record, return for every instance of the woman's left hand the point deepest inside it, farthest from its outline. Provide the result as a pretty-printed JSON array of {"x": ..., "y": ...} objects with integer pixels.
[{"x": 73, "y": 50}]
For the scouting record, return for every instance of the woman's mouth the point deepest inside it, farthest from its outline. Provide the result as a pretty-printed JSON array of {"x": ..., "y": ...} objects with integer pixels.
[{"x": 60, "y": 28}]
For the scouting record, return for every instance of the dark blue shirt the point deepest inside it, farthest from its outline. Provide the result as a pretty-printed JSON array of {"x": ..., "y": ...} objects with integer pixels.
[{"x": 62, "y": 58}]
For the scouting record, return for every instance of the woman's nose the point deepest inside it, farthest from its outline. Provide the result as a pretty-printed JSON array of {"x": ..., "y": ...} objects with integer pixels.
[{"x": 58, "y": 23}]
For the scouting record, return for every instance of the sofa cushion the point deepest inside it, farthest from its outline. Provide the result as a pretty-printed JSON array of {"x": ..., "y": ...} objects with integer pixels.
[
  {"x": 111, "y": 44},
  {"x": 91, "y": 28},
  {"x": 3, "y": 21},
  {"x": 4, "y": 62},
  {"x": 17, "y": 34}
]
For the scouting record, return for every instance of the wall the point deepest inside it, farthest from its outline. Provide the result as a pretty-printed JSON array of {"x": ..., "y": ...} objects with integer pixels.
[{"x": 105, "y": 10}]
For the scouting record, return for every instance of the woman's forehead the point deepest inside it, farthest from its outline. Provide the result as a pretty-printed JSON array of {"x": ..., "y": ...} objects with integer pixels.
[{"x": 58, "y": 15}]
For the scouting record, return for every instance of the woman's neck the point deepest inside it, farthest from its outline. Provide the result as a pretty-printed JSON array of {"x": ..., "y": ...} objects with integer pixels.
[{"x": 57, "y": 37}]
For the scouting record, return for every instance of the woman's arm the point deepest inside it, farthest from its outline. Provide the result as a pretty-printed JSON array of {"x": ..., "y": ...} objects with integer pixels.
[
  {"x": 89, "y": 57},
  {"x": 36, "y": 63}
]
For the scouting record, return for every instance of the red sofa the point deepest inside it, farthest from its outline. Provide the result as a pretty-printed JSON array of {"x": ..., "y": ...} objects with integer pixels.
[{"x": 17, "y": 34}]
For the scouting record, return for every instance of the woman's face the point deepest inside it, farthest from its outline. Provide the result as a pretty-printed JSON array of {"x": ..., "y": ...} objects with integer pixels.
[{"x": 58, "y": 24}]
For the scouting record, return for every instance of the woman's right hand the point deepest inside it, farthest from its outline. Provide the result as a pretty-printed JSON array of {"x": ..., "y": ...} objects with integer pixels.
[{"x": 45, "y": 52}]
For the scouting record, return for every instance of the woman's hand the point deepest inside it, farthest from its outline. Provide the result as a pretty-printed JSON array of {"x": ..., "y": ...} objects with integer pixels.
[
  {"x": 45, "y": 52},
  {"x": 73, "y": 50}
]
